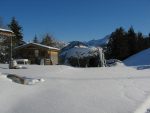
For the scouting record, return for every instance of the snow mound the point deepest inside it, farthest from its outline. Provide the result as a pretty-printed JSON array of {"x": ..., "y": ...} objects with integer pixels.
[
  {"x": 32, "y": 81},
  {"x": 77, "y": 53},
  {"x": 80, "y": 52},
  {"x": 139, "y": 59},
  {"x": 24, "y": 80},
  {"x": 145, "y": 108},
  {"x": 114, "y": 62}
]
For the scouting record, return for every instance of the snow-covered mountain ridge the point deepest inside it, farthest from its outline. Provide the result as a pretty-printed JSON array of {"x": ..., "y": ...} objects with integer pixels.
[{"x": 99, "y": 42}]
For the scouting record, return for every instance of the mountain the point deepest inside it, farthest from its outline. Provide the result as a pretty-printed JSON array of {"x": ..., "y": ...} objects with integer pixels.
[
  {"x": 72, "y": 48},
  {"x": 141, "y": 58},
  {"x": 100, "y": 42},
  {"x": 74, "y": 44}
]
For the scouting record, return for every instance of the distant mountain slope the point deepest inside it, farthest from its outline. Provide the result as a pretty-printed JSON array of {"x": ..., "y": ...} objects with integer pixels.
[
  {"x": 99, "y": 42},
  {"x": 141, "y": 58},
  {"x": 74, "y": 44},
  {"x": 76, "y": 49}
]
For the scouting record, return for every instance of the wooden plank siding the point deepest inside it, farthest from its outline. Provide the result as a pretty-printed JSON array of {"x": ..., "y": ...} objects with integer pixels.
[
  {"x": 54, "y": 57},
  {"x": 37, "y": 53},
  {"x": 7, "y": 33}
]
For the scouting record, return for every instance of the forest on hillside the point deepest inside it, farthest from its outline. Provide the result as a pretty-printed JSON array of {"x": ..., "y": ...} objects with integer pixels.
[{"x": 123, "y": 44}]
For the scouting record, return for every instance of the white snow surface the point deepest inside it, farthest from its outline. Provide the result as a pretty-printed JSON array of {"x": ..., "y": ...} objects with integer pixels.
[
  {"x": 99, "y": 42},
  {"x": 41, "y": 45},
  {"x": 80, "y": 52},
  {"x": 140, "y": 59},
  {"x": 1, "y": 29},
  {"x": 117, "y": 89}
]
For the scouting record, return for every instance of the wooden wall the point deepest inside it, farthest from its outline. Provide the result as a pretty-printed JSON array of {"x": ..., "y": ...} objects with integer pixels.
[{"x": 53, "y": 56}]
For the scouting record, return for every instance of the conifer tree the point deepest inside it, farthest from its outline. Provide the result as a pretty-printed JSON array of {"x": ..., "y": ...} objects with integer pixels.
[
  {"x": 147, "y": 41},
  {"x": 47, "y": 40},
  {"x": 17, "y": 29},
  {"x": 117, "y": 47},
  {"x": 132, "y": 41},
  {"x": 141, "y": 45},
  {"x": 35, "y": 40}
]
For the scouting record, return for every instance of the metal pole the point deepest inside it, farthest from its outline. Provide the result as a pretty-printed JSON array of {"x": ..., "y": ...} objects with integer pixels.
[
  {"x": 11, "y": 60},
  {"x": 11, "y": 49}
]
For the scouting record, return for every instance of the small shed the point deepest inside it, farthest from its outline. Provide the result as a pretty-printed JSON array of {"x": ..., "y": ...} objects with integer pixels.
[
  {"x": 6, "y": 33},
  {"x": 37, "y": 53}
]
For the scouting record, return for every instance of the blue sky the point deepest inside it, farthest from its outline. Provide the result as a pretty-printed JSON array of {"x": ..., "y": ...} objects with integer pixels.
[{"x": 81, "y": 20}]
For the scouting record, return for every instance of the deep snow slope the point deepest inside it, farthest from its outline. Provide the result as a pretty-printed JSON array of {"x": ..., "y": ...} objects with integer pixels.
[
  {"x": 66, "y": 89},
  {"x": 141, "y": 58}
]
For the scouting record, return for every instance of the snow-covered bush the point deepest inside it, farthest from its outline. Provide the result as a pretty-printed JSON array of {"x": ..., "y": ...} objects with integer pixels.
[
  {"x": 113, "y": 62},
  {"x": 80, "y": 55}
]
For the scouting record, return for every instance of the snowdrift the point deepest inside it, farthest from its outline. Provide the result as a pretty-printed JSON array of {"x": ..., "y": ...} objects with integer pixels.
[
  {"x": 140, "y": 59},
  {"x": 76, "y": 90}
]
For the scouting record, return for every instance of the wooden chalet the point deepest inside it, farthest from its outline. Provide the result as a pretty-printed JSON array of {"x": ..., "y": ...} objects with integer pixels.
[{"x": 37, "y": 53}]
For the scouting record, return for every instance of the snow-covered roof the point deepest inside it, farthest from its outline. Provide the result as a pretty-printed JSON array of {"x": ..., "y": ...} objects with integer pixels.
[
  {"x": 5, "y": 30},
  {"x": 41, "y": 45}
]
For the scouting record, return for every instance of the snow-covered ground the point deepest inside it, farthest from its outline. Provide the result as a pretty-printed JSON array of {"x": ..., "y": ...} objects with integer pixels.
[
  {"x": 140, "y": 59},
  {"x": 117, "y": 89}
]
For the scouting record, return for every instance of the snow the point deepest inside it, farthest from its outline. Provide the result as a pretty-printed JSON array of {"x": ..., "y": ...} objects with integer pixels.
[
  {"x": 6, "y": 30},
  {"x": 99, "y": 42},
  {"x": 32, "y": 81},
  {"x": 48, "y": 47},
  {"x": 140, "y": 59},
  {"x": 80, "y": 52},
  {"x": 74, "y": 44},
  {"x": 117, "y": 89},
  {"x": 114, "y": 62}
]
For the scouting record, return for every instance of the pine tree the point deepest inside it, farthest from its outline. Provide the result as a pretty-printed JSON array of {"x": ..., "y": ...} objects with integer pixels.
[
  {"x": 35, "y": 40},
  {"x": 132, "y": 41},
  {"x": 17, "y": 29},
  {"x": 117, "y": 47},
  {"x": 141, "y": 45},
  {"x": 47, "y": 40},
  {"x": 147, "y": 42}
]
